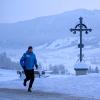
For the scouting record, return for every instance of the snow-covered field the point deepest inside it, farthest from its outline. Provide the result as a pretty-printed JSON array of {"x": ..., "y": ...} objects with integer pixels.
[
  {"x": 61, "y": 52},
  {"x": 56, "y": 53},
  {"x": 7, "y": 75},
  {"x": 65, "y": 52},
  {"x": 81, "y": 86}
]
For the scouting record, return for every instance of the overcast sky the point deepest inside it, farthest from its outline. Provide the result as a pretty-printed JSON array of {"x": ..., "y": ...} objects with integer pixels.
[{"x": 19, "y": 10}]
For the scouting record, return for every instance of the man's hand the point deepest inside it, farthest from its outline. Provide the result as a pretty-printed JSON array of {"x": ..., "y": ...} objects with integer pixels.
[
  {"x": 24, "y": 68},
  {"x": 36, "y": 66}
]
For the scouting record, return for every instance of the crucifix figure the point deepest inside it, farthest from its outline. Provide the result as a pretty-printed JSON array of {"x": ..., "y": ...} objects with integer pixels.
[{"x": 80, "y": 28}]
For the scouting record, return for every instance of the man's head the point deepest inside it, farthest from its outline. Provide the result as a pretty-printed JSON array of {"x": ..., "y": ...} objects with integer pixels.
[{"x": 30, "y": 49}]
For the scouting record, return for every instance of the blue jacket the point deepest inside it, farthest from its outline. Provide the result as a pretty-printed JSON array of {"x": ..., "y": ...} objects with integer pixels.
[{"x": 28, "y": 61}]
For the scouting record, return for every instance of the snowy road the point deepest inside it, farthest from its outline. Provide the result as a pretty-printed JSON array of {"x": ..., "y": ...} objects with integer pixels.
[
  {"x": 20, "y": 94},
  {"x": 60, "y": 87}
]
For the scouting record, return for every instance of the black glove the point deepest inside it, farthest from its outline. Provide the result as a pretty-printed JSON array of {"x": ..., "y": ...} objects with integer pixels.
[
  {"x": 24, "y": 68},
  {"x": 36, "y": 66}
]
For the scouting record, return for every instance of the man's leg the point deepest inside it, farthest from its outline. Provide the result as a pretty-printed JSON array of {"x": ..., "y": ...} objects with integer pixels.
[
  {"x": 27, "y": 77},
  {"x": 32, "y": 76}
]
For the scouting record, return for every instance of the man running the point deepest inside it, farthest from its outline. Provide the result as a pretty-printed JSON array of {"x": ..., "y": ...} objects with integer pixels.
[{"x": 28, "y": 61}]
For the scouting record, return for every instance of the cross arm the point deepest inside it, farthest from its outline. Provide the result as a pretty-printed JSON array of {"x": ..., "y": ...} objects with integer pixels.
[
  {"x": 74, "y": 29},
  {"x": 79, "y": 30},
  {"x": 87, "y": 30}
]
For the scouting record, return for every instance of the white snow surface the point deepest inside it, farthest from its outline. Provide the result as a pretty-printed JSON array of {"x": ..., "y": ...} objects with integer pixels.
[
  {"x": 85, "y": 86},
  {"x": 7, "y": 75},
  {"x": 61, "y": 52}
]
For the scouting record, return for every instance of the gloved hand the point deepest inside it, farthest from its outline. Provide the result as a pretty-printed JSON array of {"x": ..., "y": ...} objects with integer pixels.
[
  {"x": 36, "y": 66},
  {"x": 24, "y": 68}
]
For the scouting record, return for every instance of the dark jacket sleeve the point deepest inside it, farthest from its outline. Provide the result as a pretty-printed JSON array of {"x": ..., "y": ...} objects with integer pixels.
[{"x": 22, "y": 60}]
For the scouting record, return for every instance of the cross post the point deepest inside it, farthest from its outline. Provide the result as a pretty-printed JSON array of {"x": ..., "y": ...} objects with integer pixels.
[{"x": 80, "y": 28}]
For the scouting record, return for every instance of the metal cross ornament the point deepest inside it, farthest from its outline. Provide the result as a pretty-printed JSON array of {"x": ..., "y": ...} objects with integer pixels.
[{"x": 80, "y": 28}]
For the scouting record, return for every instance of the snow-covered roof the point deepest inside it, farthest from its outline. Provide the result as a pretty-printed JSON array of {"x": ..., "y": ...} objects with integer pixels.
[{"x": 81, "y": 65}]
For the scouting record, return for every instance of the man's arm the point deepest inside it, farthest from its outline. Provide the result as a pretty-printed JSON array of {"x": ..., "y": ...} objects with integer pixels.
[
  {"x": 22, "y": 61},
  {"x": 35, "y": 62}
]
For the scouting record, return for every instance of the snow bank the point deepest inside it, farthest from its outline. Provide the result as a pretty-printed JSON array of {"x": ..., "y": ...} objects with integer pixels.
[
  {"x": 7, "y": 75},
  {"x": 81, "y": 65}
]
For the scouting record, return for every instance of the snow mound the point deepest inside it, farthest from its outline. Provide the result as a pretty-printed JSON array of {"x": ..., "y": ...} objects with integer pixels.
[{"x": 81, "y": 65}]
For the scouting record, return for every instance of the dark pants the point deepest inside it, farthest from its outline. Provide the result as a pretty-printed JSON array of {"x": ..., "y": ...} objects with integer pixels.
[{"x": 29, "y": 76}]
